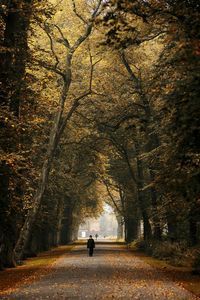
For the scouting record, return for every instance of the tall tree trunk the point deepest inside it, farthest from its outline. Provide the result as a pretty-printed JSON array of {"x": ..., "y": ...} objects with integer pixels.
[
  {"x": 157, "y": 232},
  {"x": 6, "y": 222},
  {"x": 59, "y": 223},
  {"x": 193, "y": 229},
  {"x": 141, "y": 196},
  {"x": 13, "y": 58},
  {"x": 120, "y": 233},
  {"x": 172, "y": 229},
  {"x": 66, "y": 225},
  {"x": 139, "y": 182},
  {"x": 132, "y": 229},
  {"x": 193, "y": 232},
  {"x": 125, "y": 230},
  {"x": 147, "y": 227}
]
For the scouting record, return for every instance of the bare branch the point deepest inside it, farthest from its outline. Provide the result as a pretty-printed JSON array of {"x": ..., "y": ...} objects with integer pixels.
[
  {"x": 111, "y": 197},
  {"x": 129, "y": 70},
  {"x": 76, "y": 102},
  {"x": 65, "y": 41},
  {"x": 88, "y": 29},
  {"x": 146, "y": 39},
  {"x": 76, "y": 13},
  {"x": 123, "y": 119},
  {"x": 91, "y": 68},
  {"x": 92, "y": 65},
  {"x": 65, "y": 120},
  {"x": 47, "y": 31},
  {"x": 49, "y": 67},
  {"x": 97, "y": 11}
]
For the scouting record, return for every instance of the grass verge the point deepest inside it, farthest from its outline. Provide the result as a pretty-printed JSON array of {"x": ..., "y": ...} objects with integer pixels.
[
  {"x": 31, "y": 270},
  {"x": 182, "y": 275}
]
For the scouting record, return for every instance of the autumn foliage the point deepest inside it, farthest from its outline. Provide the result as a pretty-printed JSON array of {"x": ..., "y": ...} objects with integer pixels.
[{"x": 99, "y": 103}]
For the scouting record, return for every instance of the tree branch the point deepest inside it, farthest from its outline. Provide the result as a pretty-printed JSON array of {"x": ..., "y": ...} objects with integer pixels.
[
  {"x": 111, "y": 197},
  {"x": 76, "y": 13},
  {"x": 143, "y": 40},
  {"x": 65, "y": 41},
  {"x": 88, "y": 29},
  {"x": 47, "y": 31},
  {"x": 129, "y": 70},
  {"x": 123, "y": 119},
  {"x": 49, "y": 67}
]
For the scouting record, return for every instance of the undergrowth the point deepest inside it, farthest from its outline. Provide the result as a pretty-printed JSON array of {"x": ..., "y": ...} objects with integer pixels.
[{"x": 176, "y": 254}]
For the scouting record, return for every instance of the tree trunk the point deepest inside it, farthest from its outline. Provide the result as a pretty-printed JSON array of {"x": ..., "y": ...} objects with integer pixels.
[
  {"x": 7, "y": 235},
  {"x": 59, "y": 223},
  {"x": 8, "y": 255},
  {"x": 141, "y": 197},
  {"x": 132, "y": 229},
  {"x": 26, "y": 229},
  {"x": 66, "y": 231},
  {"x": 193, "y": 232},
  {"x": 157, "y": 232},
  {"x": 147, "y": 227},
  {"x": 172, "y": 229},
  {"x": 13, "y": 58},
  {"x": 120, "y": 233}
]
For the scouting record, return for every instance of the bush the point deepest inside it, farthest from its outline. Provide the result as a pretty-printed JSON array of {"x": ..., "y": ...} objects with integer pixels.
[
  {"x": 138, "y": 244},
  {"x": 196, "y": 264},
  {"x": 172, "y": 252}
]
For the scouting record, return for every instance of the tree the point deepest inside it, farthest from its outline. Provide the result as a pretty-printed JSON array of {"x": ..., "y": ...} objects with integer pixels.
[
  {"x": 15, "y": 19},
  {"x": 180, "y": 58},
  {"x": 60, "y": 123}
]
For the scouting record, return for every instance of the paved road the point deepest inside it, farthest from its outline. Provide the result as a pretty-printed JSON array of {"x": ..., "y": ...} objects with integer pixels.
[{"x": 112, "y": 273}]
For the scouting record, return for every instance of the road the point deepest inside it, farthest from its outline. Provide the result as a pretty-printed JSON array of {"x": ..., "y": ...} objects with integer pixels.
[{"x": 112, "y": 273}]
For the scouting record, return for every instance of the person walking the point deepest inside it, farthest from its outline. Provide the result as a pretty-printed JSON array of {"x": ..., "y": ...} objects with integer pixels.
[{"x": 90, "y": 245}]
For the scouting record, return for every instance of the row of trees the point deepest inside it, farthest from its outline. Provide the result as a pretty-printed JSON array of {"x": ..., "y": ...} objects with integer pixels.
[
  {"x": 98, "y": 103},
  {"x": 15, "y": 21},
  {"x": 30, "y": 134},
  {"x": 156, "y": 135}
]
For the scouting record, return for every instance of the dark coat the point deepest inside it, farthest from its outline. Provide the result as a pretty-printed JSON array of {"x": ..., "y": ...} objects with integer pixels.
[{"x": 90, "y": 243}]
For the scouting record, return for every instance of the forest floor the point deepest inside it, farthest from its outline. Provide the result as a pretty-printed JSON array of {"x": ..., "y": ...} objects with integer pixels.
[{"x": 114, "y": 272}]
